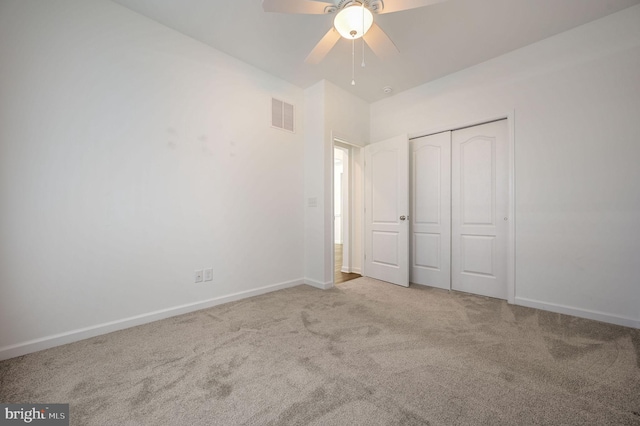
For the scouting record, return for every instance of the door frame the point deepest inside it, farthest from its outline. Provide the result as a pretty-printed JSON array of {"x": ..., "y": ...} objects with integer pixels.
[
  {"x": 356, "y": 153},
  {"x": 346, "y": 205},
  {"x": 511, "y": 228}
]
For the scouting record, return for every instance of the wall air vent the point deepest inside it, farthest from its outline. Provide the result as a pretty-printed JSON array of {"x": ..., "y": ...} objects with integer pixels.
[{"x": 282, "y": 115}]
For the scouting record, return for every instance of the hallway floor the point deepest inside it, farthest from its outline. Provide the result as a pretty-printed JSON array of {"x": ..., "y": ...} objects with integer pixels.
[{"x": 339, "y": 276}]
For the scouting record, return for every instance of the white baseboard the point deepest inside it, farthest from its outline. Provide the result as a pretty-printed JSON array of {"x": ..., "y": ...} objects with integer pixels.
[
  {"x": 318, "y": 284},
  {"x": 576, "y": 312},
  {"x": 356, "y": 271},
  {"x": 36, "y": 345},
  {"x": 345, "y": 270}
]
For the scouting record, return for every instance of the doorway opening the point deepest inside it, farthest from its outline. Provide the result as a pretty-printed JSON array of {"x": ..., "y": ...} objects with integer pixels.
[{"x": 344, "y": 255}]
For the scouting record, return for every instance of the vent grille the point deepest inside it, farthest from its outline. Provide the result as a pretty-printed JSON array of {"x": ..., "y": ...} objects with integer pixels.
[{"x": 282, "y": 115}]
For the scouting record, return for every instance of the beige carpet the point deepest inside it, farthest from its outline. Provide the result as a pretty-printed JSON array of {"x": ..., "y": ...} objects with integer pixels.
[{"x": 365, "y": 353}]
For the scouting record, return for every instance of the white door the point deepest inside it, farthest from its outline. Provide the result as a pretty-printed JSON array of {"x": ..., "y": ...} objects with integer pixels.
[
  {"x": 386, "y": 210},
  {"x": 431, "y": 210},
  {"x": 480, "y": 209}
]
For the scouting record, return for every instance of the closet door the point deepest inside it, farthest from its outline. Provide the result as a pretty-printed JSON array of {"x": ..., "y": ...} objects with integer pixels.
[
  {"x": 431, "y": 210},
  {"x": 480, "y": 209}
]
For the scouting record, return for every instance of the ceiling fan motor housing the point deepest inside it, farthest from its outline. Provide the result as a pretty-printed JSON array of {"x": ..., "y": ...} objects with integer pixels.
[{"x": 374, "y": 6}]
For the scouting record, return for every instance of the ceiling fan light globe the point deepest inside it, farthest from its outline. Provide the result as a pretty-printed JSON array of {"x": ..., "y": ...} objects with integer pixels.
[{"x": 353, "y": 21}]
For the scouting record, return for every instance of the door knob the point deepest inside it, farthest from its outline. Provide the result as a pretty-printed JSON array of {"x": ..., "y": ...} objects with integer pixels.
[{"x": 403, "y": 217}]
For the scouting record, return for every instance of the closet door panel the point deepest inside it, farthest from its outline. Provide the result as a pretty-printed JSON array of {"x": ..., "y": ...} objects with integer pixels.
[
  {"x": 431, "y": 210},
  {"x": 479, "y": 199}
]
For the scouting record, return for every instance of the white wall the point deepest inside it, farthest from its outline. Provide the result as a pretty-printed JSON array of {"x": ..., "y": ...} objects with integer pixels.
[
  {"x": 330, "y": 112},
  {"x": 130, "y": 156},
  {"x": 347, "y": 116},
  {"x": 314, "y": 166},
  {"x": 576, "y": 98}
]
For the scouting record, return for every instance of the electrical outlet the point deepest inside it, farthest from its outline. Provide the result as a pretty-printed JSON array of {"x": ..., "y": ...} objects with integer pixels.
[
  {"x": 198, "y": 276},
  {"x": 208, "y": 274}
]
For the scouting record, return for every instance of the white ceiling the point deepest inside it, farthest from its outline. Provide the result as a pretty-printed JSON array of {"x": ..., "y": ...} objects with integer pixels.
[{"x": 433, "y": 41}]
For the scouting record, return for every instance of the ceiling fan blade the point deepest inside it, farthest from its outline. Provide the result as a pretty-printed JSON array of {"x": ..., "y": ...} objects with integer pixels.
[
  {"x": 296, "y": 6},
  {"x": 380, "y": 42},
  {"x": 398, "y": 5},
  {"x": 323, "y": 47}
]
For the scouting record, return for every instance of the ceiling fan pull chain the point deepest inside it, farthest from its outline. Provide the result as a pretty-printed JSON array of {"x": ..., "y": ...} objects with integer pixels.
[
  {"x": 353, "y": 62},
  {"x": 362, "y": 65}
]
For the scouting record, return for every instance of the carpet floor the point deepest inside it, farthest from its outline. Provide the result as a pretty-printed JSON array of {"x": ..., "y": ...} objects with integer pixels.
[{"x": 363, "y": 353}]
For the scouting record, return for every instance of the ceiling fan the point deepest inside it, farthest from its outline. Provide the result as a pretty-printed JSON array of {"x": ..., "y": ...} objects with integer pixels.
[{"x": 354, "y": 19}]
